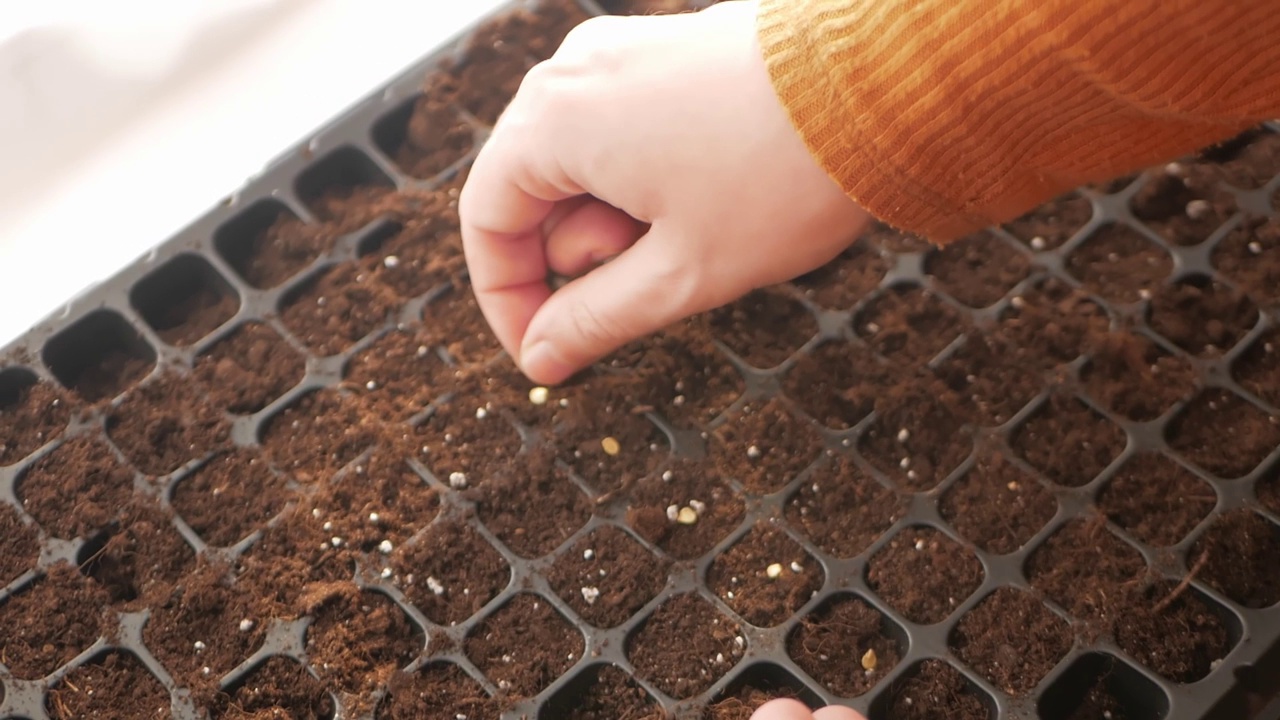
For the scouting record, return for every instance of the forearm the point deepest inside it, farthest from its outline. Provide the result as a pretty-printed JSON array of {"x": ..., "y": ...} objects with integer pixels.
[{"x": 943, "y": 116}]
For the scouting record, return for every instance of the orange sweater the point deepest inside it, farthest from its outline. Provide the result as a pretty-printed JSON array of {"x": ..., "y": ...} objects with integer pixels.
[{"x": 941, "y": 117}]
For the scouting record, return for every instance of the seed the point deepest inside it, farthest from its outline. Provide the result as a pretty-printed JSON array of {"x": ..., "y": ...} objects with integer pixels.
[
  {"x": 564, "y": 402},
  {"x": 590, "y": 594},
  {"x": 588, "y": 554},
  {"x": 386, "y": 573},
  {"x": 246, "y": 625},
  {"x": 385, "y": 547},
  {"x": 1255, "y": 247},
  {"x": 1013, "y": 486},
  {"x": 1038, "y": 243},
  {"x": 719, "y": 658},
  {"x": 1145, "y": 294},
  {"x": 390, "y": 261},
  {"x": 667, "y": 475},
  {"x": 200, "y": 646},
  {"x": 481, "y": 413},
  {"x": 374, "y": 517},
  {"x": 335, "y": 541},
  {"x": 753, "y": 452},
  {"x": 678, "y": 401},
  {"x": 869, "y": 660},
  {"x": 1018, "y": 302},
  {"x": 327, "y": 526},
  {"x": 687, "y": 516},
  {"x": 422, "y": 351},
  {"x": 457, "y": 480},
  {"x": 610, "y": 446},
  {"x": 774, "y": 571},
  {"x": 539, "y": 395},
  {"x": 919, "y": 544},
  {"x": 904, "y": 463}
]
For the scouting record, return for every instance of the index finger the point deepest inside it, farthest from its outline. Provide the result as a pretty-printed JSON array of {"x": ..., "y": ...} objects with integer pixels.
[{"x": 513, "y": 187}]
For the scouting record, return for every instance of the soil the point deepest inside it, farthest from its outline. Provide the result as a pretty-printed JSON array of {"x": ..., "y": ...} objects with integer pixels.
[
  {"x": 836, "y": 383},
  {"x": 1052, "y": 224},
  {"x": 1258, "y": 369},
  {"x": 606, "y": 577},
  {"x": 990, "y": 379},
  {"x": 248, "y": 370},
  {"x": 19, "y": 545},
  {"x": 743, "y": 577},
  {"x": 1217, "y": 419},
  {"x": 918, "y": 437},
  {"x": 455, "y": 560},
  {"x": 455, "y": 322},
  {"x": 31, "y": 414},
  {"x": 462, "y": 446},
  {"x": 1098, "y": 703},
  {"x": 844, "y": 281},
  {"x": 328, "y": 419},
  {"x": 908, "y": 325},
  {"x": 924, "y": 574},
  {"x": 1240, "y": 548},
  {"x": 1011, "y": 640},
  {"x": 763, "y": 328},
  {"x": 1118, "y": 263},
  {"x": 764, "y": 447},
  {"x": 535, "y": 480},
  {"x": 524, "y": 646},
  {"x": 399, "y": 375},
  {"x": 76, "y": 489},
  {"x": 358, "y": 640},
  {"x": 933, "y": 691},
  {"x": 138, "y": 560},
  {"x": 996, "y": 505},
  {"x": 1134, "y": 377},
  {"x": 1202, "y": 317},
  {"x": 278, "y": 688},
  {"x": 199, "y": 309},
  {"x": 1180, "y": 639},
  {"x": 1248, "y": 161},
  {"x": 978, "y": 269},
  {"x": 685, "y": 646},
  {"x": 1082, "y": 567},
  {"x": 839, "y": 638},
  {"x": 114, "y": 686},
  {"x": 50, "y": 622},
  {"x": 842, "y": 510},
  {"x": 1156, "y": 500},
  {"x": 229, "y": 497},
  {"x": 1062, "y": 422},
  {"x": 689, "y": 382},
  {"x": 598, "y": 411},
  {"x": 1183, "y": 203},
  {"x": 439, "y": 691},
  {"x": 165, "y": 424},
  {"x": 652, "y": 499},
  {"x": 1048, "y": 324},
  {"x": 742, "y": 701},
  {"x": 604, "y": 692},
  {"x": 1250, "y": 255},
  {"x": 335, "y": 309},
  {"x": 108, "y": 375},
  {"x": 433, "y": 139}
]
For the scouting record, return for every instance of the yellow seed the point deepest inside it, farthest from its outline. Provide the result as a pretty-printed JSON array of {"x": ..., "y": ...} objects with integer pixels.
[
  {"x": 539, "y": 395},
  {"x": 869, "y": 660},
  {"x": 687, "y": 516},
  {"x": 611, "y": 446},
  {"x": 774, "y": 571}
]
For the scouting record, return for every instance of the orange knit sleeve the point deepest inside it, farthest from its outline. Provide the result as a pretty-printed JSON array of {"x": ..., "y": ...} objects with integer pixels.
[{"x": 941, "y": 117}]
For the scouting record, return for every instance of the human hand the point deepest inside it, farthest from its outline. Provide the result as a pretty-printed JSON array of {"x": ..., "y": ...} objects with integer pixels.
[
  {"x": 658, "y": 143},
  {"x": 793, "y": 710}
]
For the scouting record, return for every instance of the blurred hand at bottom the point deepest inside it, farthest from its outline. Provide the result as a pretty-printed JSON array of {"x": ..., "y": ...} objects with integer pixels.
[
  {"x": 792, "y": 710},
  {"x": 657, "y": 143}
]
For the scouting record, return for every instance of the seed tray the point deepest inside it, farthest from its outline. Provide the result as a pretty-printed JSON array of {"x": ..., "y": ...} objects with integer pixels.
[{"x": 831, "y": 609}]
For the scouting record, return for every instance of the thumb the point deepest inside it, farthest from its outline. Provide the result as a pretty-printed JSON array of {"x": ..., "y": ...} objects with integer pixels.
[
  {"x": 795, "y": 710},
  {"x": 642, "y": 290}
]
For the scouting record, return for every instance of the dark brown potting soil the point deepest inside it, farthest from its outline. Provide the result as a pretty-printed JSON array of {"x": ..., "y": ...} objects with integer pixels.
[
  {"x": 764, "y": 447},
  {"x": 535, "y": 480},
  {"x": 908, "y": 325},
  {"x": 50, "y": 622},
  {"x": 337, "y": 308},
  {"x": 997, "y": 505},
  {"x": 165, "y": 424},
  {"x": 841, "y": 510},
  {"x": 278, "y": 688},
  {"x": 685, "y": 646},
  {"x": 1066, "y": 422},
  {"x": 990, "y": 380},
  {"x": 1240, "y": 548},
  {"x": 229, "y": 497},
  {"x": 328, "y": 419},
  {"x": 763, "y": 328},
  {"x": 844, "y": 645},
  {"x": 19, "y": 545},
  {"x": 358, "y": 640},
  {"x": 978, "y": 270},
  {"x": 658, "y": 500},
  {"x": 77, "y": 489},
  {"x": 524, "y": 645},
  {"x": 439, "y": 691},
  {"x": 765, "y": 577},
  {"x": 936, "y": 691},
  {"x": 837, "y": 383},
  {"x": 924, "y": 574},
  {"x": 248, "y": 370},
  {"x": 1217, "y": 417},
  {"x": 1183, "y": 203},
  {"x": 1204, "y": 318},
  {"x": 1156, "y": 500},
  {"x": 1134, "y": 377},
  {"x": 918, "y": 437},
  {"x": 1120, "y": 264},
  {"x": 1258, "y": 368},
  {"x": 1011, "y": 639},
  {"x": 606, "y": 577},
  {"x": 1249, "y": 255},
  {"x": 841, "y": 283},
  {"x": 115, "y": 686},
  {"x": 606, "y": 692},
  {"x": 201, "y": 309},
  {"x": 30, "y": 416},
  {"x": 1052, "y": 224},
  {"x": 138, "y": 559},
  {"x": 742, "y": 703},
  {"x": 1049, "y": 323},
  {"x": 450, "y": 572}
]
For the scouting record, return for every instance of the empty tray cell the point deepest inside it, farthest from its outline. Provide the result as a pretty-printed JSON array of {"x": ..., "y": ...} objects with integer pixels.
[
  {"x": 267, "y": 244},
  {"x": 764, "y": 328},
  {"x": 1202, "y": 316},
  {"x": 978, "y": 269},
  {"x": 1224, "y": 433},
  {"x": 524, "y": 646},
  {"x": 50, "y": 622},
  {"x": 99, "y": 356},
  {"x": 918, "y": 437},
  {"x": 1120, "y": 264},
  {"x": 847, "y": 645},
  {"x": 764, "y": 447},
  {"x": 1258, "y": 368},
  {"x": 1249, "y": 255},
  {"x": 138, "y": 558},
  {"x": 279, "y": 687},
  {"x": 686, "y": 511},
  {"x": 755, "y": 686},
  {"x": 464, "y": 443},
  {"x": 908, "y": 325},
  {"x": 601, "y": 691},
  {"x": 1084, "y": 568},
  {"x": 1156, "y": 500},
  {"x": 765, "y": 576},
  {"x": 229, "y": 497},
  {"x": 19, "y": 544},
  {"x": 31, "y": 413},
  {"x": 425, "y": 136},
  {"x": 165, "y": 424},
  {"x": 842, "y": 510},
  {"x": 1100, "y": 686},
  {"x": 1132, "y": 376},
  {"x": 116, "y": 684},
  {"x": 851, "y": 276},
  {"x": 249, "y": 369},
  {"x": 607, "y": 576},
  {"x": 1182, "y": 203},
  {"x": 1250, "y": 160},
  {"x": 1050, "y": 323},
  {"x": 78, "y": 488},
  {"x": 317, "y": 435},
  {"x": 1236, "y": 556},
  {"x": 1011, "y": 640},
  {"x": 454, "y": 321},
  {"x": 330, "y": 183},
  {"x": 836, "y": 383},
  {"x": 997, "y": 505},
  {"x": 932, "y": 690},
  {"x": 923, "y": 574},
  {"x": 685, "y": 646},
  {"x": 1068, "y": 441},
  {"x": 356, "y": 638},
  {"x": 1049, "y": 226},
  {"x": 1176, "y": 631},
  {"x": 184, "y": 300},
  {"x": 336, "y": 308},
  {"x": 990, "y": 379},
  {"x": 438, "y": 691},
  {"x": 449, "y": 572},
  {"x": 534, "y": 480}
]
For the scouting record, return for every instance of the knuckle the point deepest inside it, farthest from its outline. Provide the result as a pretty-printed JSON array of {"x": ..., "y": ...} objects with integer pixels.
[{"x": 594, "y": 330}]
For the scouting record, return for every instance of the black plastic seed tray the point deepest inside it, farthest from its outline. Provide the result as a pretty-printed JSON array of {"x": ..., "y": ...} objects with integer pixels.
[{"x": 120, "y": 319}]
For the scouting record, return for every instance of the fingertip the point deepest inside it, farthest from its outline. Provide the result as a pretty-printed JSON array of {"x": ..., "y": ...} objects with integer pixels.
[
  {"x": 542, "y": 363},
  {"x": 835, "y": 712},
  {"x": 783, "y": 710}
]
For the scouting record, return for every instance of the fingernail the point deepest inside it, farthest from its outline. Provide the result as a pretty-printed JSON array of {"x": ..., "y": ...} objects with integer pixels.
[{"x": 543, "y": 363}]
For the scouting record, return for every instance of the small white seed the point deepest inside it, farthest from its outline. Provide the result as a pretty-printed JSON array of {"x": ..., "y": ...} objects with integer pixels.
[
  {"x": 796, "y": 567},
  {"x": 774, "y": 571},
  {"x": 1038, "y": 243},
  {"x": 904, "y": 435},
  {"x": 386, "y": 573},
  {"x": 200, "y": 646},
  {"x": 698, "y": 506},
  {"x": 753, "y": 452},
  {"x": 390, "y": 261},
  {"x": 588, "y": 554},
  {"x": 374, "y": 517},
  {"x": 673, "y": 512},
  {"x": 481, "y": 413},
  {"x": 919, "y": 544},
  {"x": 539, "y": 395},
  {"x": 1255, "y": 247},
  {"x": 246, "y": 625},
  {"x": 667, "y": 476},
  {"x": 335, "y": 541}
]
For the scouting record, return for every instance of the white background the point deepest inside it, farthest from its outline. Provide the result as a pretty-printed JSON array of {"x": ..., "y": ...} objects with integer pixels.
[{"x": 121, "y": 122}]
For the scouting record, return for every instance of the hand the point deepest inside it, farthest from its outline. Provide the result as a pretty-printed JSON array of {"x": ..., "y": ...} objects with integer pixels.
[
  {"x": 658, "y": 143},
  {"x": 792, "y": 710}
]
